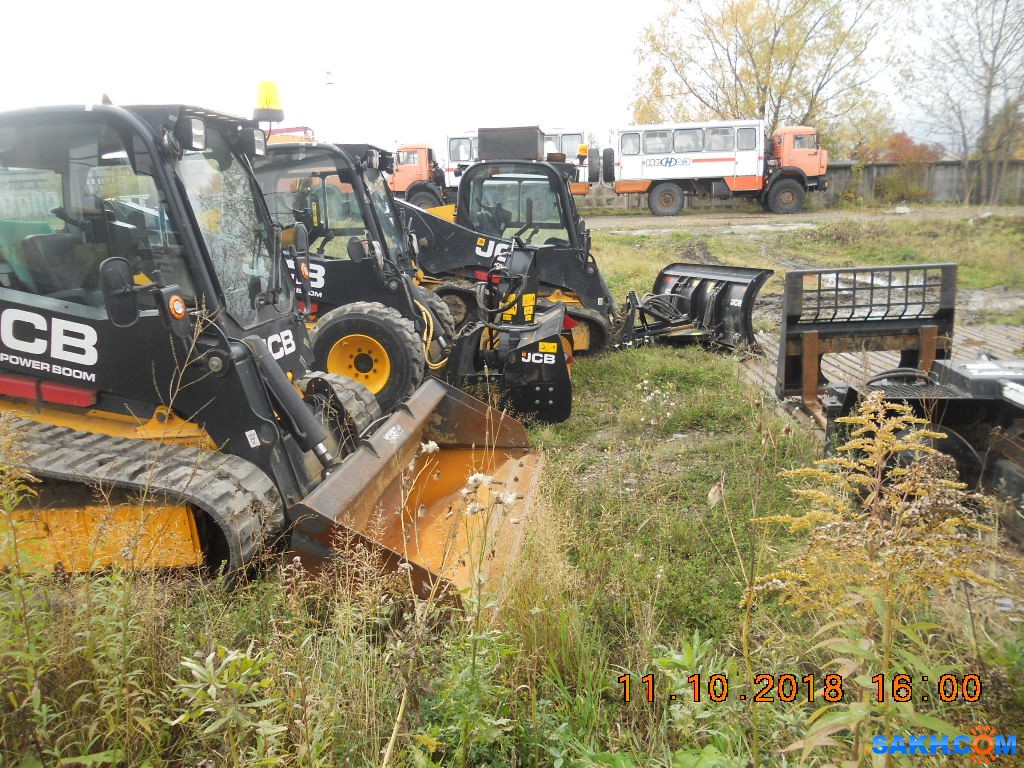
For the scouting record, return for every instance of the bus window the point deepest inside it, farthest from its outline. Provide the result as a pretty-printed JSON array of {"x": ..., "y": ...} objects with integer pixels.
[
  {"x": 688, "y": 140},
  {"x": 719, "y": 139},
  {"x": 657, "y": 142},
  {"x": 746, "y": 138},
  {"x": 629, "y": 144}
]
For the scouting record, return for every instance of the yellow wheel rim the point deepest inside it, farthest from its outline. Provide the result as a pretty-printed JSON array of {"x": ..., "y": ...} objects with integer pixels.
[{"x": 362, "y": 358}]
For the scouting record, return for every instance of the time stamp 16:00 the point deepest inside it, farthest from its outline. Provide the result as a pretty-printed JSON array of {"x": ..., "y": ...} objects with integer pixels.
[{"x": 788, "y": 688}]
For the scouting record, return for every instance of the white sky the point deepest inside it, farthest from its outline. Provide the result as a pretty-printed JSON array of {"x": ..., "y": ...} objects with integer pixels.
[{"x": 403, "y": 71}]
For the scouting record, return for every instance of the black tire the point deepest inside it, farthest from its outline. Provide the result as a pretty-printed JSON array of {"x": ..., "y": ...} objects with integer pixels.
[
  {"x": 461, "y": 305},
  {"x": 786, "y": 196},
  {"x": 425, "y": 198},
  {"x": 593, "y": 166},
  {"x": 608, "y": 165},
  {"x": 443, "y": 321},
  {"x": 372, "y": 344},
  {"x": 665, "y": 199},
  {"x": 361, "y": 409}
]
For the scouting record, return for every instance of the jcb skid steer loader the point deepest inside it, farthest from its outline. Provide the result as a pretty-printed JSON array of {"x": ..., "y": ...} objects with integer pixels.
[
  {"x": 370, "y": 321},
  {"x": 533, "y": 200},
  {"x": 152, "y": 353},
  {"x": 496, "y": 200}
]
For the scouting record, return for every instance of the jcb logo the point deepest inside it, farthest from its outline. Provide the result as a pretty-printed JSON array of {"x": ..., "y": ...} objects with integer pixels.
[
  {"x": 281, "y": 344},
  {"x": 34, "y": 334},
  {"x": 538, "y": 357},
  {"x": 489, "y": 249},
  {"x": 316, "y": 274}
]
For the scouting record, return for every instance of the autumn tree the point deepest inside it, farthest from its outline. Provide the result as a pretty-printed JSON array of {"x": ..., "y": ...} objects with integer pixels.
[
  {"x": 970, "y": 80},
  {"x": 802, "y": 62}
]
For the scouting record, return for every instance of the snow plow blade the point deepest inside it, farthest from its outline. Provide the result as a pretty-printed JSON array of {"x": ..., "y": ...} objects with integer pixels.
[
  {"x": 709, "y": 303},
  {"x": 440, "y": 490}
]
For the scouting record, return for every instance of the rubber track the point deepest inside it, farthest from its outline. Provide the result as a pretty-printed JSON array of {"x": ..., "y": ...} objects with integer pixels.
[{"x": 237, "y": 495}]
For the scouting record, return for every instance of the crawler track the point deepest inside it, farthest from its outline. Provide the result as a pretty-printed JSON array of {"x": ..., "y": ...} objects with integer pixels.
[{"x": 238, "y": 497}]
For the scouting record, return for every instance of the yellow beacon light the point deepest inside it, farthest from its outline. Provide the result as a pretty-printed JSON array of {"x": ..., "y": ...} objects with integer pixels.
[{"x": 268, "y": 104}]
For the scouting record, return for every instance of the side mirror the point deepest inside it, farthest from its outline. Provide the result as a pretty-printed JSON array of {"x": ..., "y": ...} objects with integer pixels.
[
  {"x": 119, "y": 296},
  {"x": 355, "y": 249},
  {"x": 300, "y": 244}
]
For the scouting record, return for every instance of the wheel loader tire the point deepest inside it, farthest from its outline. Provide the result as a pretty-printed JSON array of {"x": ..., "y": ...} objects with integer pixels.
[
  {"x": 666, "y": 199},
  {"x": 373, "y": 345},
  {"x": 593, "y": 166},
  {"x": 608, "y": 165},
  {"x": 786, "y": 196},
  {"x": 443, "y": 321},
  {"x": 425, "y": 198}
]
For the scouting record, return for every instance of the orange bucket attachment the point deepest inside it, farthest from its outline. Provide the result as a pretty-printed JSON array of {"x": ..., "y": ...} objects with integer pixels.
[{"x": 440, "y": 490}]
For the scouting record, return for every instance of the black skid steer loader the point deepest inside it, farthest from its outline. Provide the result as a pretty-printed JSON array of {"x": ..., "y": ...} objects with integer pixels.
[
  {"x": 368, "y": 319},
  {"x": 155, "y": 374},
  {"x": 503, "y": 200}
]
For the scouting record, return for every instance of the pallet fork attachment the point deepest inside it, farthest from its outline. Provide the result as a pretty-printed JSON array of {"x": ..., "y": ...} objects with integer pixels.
[{"x": 708, "y": 303}]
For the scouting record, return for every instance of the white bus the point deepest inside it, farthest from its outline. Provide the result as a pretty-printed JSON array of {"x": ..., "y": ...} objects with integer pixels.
[{"x": 721, "y": 159}]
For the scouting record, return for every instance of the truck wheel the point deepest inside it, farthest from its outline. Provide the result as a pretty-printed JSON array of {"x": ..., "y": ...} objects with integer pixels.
[
  {"x": 666, "y": 199},
  {"x": 373, "y": 345},
  {"x": 443, "y": 322},
  {"x": 593, "y": 166},
  {"x": 786, "y": 196},
  {"x": 608, "y": 165},
  {"x": 424, "y": 198}
]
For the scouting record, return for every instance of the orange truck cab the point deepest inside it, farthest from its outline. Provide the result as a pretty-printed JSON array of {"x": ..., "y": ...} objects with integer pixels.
[{"x": 418, "y": 178}]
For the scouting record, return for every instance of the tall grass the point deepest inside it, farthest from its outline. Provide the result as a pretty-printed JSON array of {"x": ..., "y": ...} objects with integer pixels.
[{"x": 639, "y": 559}]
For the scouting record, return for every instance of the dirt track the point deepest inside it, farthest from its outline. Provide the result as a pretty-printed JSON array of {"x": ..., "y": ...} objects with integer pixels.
[{"x": 750, "y": 221}]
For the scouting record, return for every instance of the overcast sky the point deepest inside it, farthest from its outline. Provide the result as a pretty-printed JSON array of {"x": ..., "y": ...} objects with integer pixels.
[{"x": 401, "y": 71}]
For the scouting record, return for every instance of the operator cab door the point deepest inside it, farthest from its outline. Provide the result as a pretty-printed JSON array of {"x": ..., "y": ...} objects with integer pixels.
[{"x": 72, "y": 196}]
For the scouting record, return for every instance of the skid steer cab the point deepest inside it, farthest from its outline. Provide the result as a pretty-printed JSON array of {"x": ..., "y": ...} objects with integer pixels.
[
  {"x": 369, "y": 319},
  {"x": 353, "y": 268},
  {"x": 497, "y": 201},
  {"x": 156, "y": 371}
]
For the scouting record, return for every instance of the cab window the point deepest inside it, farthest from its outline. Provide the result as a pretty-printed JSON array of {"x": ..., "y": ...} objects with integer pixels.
[
  {"x": 407, "y": 157},
  {"x": 69, "y": 199},
  {"x": 803, "y": 141}
]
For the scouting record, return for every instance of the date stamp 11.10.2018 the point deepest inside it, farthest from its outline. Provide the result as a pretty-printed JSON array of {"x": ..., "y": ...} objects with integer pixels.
[{"x": 788, "y": 688}]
